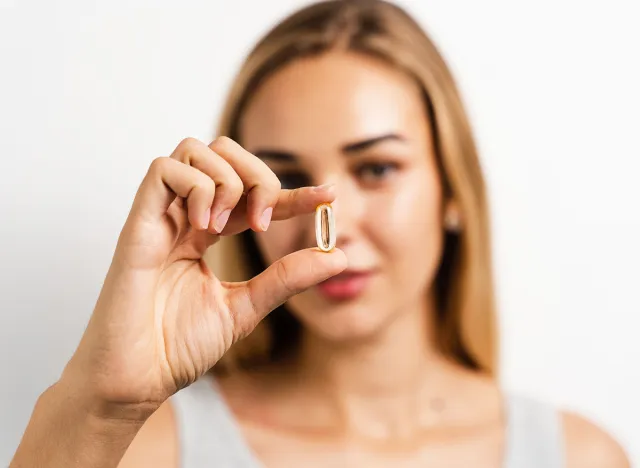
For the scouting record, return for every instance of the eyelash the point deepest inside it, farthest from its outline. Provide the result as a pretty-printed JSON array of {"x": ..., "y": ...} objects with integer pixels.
[
  {"x": 294, "y": 179},
  {"x": 377, "y": 165}
]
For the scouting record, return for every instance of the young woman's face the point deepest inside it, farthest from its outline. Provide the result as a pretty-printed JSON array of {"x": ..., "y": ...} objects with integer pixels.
[{"x": 356, "y": 122}]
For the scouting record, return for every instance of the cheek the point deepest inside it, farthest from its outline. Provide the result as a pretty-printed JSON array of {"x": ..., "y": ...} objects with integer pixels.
[{"x": 408, "y": 228}]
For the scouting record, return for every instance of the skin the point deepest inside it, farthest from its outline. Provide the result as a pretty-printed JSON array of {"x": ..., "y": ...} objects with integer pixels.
[
  {"x": 388, "y": 204},
  {"x": 367, "y": 387}
]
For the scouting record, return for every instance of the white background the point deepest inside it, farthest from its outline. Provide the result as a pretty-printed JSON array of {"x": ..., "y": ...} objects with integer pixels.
[{"x": 91, "y": 93}]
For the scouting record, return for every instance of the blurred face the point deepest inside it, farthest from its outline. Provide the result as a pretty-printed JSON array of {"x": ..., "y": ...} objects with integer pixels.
[{"x": 356, "y": 122}]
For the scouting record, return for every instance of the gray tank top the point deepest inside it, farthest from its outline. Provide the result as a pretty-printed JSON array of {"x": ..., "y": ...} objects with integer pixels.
[{"x": 209, "y": 435}]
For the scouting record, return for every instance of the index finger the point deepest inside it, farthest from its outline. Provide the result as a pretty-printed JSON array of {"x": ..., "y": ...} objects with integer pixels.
[
  {"x": 302, "y": 201},
  {"x": 290, "y": 203}
]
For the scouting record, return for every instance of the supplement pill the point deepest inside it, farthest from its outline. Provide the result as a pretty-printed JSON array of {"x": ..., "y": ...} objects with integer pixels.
[{"x": 325, "y": 227}]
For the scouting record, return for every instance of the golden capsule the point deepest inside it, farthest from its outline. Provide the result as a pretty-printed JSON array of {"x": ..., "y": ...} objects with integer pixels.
[{"x": 325, "y": 227}]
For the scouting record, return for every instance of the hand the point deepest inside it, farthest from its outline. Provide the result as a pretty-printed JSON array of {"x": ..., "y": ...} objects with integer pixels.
[{"x": 163, "y": 319}]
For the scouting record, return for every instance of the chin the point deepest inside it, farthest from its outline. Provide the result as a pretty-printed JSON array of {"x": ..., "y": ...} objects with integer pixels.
[{"x": 344, "y": 323}]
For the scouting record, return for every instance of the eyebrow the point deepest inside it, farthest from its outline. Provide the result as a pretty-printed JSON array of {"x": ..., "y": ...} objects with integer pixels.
[{"x": 348, "y": 149}]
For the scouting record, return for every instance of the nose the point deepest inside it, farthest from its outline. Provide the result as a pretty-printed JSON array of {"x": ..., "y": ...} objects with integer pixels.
[{"x": 348, "y": 210}]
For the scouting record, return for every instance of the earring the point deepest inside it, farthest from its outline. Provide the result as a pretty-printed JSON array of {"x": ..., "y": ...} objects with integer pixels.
[{"x": 452, "y": 220}]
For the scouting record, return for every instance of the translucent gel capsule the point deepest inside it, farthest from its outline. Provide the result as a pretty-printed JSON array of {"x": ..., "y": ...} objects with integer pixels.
[{"x": 325, "y": 227}]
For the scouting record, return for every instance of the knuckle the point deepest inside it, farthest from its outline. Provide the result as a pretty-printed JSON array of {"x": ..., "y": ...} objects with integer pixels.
[
  {"x": 240, "y": 324},
  {"x": 228, "y": 190},
  {"x": 275, "y": 183},
  {"x": 284, "y": 278},
  {"x": 206, "y": 185},
  {"x": 235, "y": 187},
  {"x": 294, "y": 197},
  {"x": 242, "y": 307},
  {"x": 231, "y": 314},
  {"x": 189, "y": 142},
  {"x": 224, "y": 143},
  {"x": 159, "y": 164},
  {"x": 268, "y": 178},
  {"x": 271, "y": 185},
  {"x": 202, "y": 182},
  {"x": 187, "y": 148},
  {"x": 247, "y": 302}
]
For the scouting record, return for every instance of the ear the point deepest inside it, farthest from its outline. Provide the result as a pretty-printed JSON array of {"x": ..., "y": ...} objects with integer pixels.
[{"x": 452, "y": 216}]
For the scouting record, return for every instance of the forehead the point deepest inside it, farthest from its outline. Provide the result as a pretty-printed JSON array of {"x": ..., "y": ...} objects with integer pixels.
[{"x": 332, "y": 99}]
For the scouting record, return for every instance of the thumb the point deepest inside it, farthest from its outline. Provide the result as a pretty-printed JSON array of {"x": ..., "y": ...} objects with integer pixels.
[{"x": 286, "y": 277}]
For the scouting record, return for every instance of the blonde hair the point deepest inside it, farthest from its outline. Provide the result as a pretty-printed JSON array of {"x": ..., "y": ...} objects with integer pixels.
[{"x": 466, "y": 328}]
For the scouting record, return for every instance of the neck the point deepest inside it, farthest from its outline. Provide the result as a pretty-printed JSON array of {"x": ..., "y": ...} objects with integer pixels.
[{"x": 380, "y": 384}]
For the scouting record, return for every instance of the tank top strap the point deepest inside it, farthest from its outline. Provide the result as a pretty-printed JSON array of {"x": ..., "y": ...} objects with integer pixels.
[
  {"x": 208, "y": 434},
  {"x": 534, "y": 436}
]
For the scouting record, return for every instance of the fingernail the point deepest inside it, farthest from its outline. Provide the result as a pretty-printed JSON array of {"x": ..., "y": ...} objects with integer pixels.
[
  {"x": 265, "y": 219},
  {"x": 221, "y": 221},
  {"x": 322, "y": 187},
  {"x": 206, "y": 217}
]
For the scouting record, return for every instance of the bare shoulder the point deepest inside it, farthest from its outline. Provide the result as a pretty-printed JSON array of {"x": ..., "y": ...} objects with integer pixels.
[
  {"x": 156, "y": 444},
  {"x": 589, "y": 446}
]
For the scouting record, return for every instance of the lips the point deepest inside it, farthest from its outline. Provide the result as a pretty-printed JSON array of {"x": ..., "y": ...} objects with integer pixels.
[{"x": 347, "y": 285}]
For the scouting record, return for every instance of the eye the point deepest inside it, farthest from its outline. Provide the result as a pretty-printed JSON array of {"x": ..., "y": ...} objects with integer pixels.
[
  {"x": 293, "y": 180},
  {"x": 376, "y": 172}
]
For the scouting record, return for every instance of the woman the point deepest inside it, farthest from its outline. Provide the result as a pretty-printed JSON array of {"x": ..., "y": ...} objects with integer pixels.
[{"x": 379, "y": 353}]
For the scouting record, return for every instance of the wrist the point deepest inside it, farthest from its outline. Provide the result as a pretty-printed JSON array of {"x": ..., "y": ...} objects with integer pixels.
[
  {"x": 102, "y": 396},
  {"x": 70, "y": 431},
  {"x": 98, "y": 406}
]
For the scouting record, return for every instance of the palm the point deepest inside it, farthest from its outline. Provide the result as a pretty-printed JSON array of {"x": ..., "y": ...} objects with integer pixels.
[
  {"x": 187, "y": 327},
  {"x": 192, "y": 322}
]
